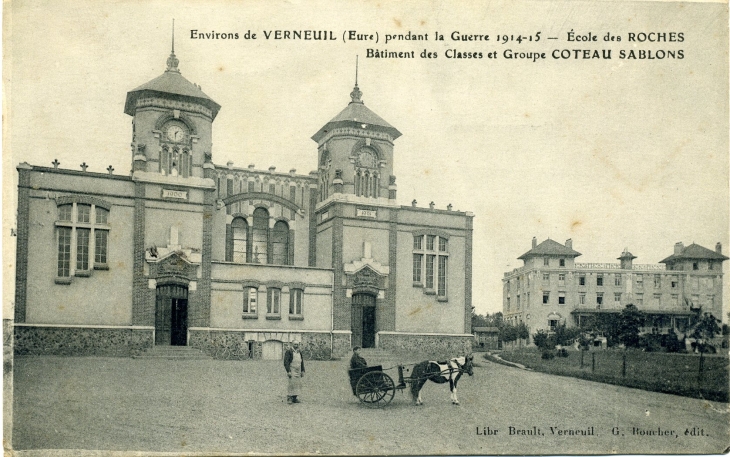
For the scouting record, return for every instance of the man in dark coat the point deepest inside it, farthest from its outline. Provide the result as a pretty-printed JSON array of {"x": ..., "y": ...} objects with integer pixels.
[
  {"x": 294, "y": 366},
  {"x": 357, "y": 361}
]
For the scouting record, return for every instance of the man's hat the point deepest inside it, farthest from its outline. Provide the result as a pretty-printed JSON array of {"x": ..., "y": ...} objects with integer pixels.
[{"x": 356, "y": 348}]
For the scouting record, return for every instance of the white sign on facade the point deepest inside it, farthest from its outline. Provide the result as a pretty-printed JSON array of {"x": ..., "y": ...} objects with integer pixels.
[
  {"x": 169, "y": 193},
  {"x": 367, "y": 213}
]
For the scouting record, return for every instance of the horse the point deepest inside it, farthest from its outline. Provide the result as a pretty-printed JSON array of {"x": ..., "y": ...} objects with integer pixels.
[{"x": 440, "y": 372}]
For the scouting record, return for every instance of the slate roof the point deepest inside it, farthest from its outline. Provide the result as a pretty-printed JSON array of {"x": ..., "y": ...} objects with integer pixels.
[
  {"x": 170, "y": 83},
  {"x": 694, "y": 252},
  {"x": 355, "y": 115},
  {"x": 550, "y": 248}
]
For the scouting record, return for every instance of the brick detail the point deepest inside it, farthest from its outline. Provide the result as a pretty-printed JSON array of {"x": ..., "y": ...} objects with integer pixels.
[
  {"x": 312, "y": 227},
  {"x": 201, "y": 311},
  {"x": 467, "y": 273},
  {"x": 388, "y": 314},
  {"x": 437, "y": 346},
  {"x": 140, "y": 307},
  {"x": 341, "y": 304},
  {"x": 21, "y": 250},
  {"x": 229, "y": 243}
]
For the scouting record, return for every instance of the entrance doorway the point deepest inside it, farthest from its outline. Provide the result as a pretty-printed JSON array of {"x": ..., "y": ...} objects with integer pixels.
[
  {"x": 364, "y": 320},
  {"x": 171, "y": 315}
]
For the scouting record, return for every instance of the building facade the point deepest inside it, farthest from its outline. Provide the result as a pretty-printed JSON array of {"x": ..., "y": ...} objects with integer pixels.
[
  {"x": 552, "y": 289},
  {"x": 183, "y": 251}
]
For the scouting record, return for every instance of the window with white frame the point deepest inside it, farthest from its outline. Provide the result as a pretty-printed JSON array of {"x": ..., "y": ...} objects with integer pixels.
[
  {"x": 599, "y": 298},
  {"x": 582, "y": 280},
  {"x": 273, "y": 302},
  {"x": 617, "y": 298},
  {"x": 657, "y": 300},
  {"x": 561, "y": 279},
  {"x": 561, "y": 298},
  {"x": 657, "y": 281},
  {"x": 639, "y": 281},
  {"x": 599, "y": 279},
  {"x": 617, "y": 280},
  {"x": 581, "y": 299},
  {"x": 295, "y": 302},
  {"x": 546, "y": 261},
  {"x": 639, "y": 300},
  {"x": 431, "y": 263},
  {"x": 82, "y": 236},
  {"x": 546, "y": 278},
  {"x": 250, "y": 298},
  {"x": 546, "y": 298}
]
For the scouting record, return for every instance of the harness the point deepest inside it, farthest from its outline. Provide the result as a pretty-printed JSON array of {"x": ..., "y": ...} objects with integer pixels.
[{"x": 450, "y": 367}]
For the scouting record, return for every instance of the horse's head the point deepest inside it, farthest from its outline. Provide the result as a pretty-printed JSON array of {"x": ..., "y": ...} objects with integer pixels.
[{"x": 469, "y": 364}]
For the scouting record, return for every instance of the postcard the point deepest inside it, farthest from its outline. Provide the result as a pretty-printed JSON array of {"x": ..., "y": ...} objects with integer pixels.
[{"x": 413, "y": 228}]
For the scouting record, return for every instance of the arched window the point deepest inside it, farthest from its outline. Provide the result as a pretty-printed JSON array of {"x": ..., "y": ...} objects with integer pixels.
[
  {"x": 280, "y": 244},
  {"x": 259, "y": 248},
  {"x": 239, "y": 227}
]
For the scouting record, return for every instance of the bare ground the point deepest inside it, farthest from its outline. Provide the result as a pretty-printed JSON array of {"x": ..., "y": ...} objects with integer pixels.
[{"x": 209, "y": 406}]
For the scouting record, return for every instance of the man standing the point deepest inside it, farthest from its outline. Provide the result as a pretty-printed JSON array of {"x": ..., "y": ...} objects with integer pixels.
[{"x": 294, "y": 366}]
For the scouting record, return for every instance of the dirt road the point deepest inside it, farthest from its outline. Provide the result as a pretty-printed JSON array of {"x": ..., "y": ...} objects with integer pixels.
[{"x": 225, "y": 406}]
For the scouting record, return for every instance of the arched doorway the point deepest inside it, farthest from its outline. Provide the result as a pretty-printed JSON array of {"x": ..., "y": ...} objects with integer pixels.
[
  {"x": 364, "y": 320},
  {"x": 171, "y": 315}
]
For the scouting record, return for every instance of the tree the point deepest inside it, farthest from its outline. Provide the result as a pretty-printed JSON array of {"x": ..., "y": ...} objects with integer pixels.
[
  {"x": 628, "y": 324},
  {"x": 706, "y": 329}
]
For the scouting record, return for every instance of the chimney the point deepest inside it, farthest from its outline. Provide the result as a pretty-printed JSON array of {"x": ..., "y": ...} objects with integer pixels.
[
  {"x": 718, "y": 248},
  {"x": 569, "y": 243},
  {"x": 678, "y": 248},
  {"x": 534, "y": 242}
]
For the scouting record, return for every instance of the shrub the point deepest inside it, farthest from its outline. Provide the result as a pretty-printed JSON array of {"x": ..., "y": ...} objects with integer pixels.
[
  {"x": 562, "y": 352},
  {"x": 540, "y": 339},
  {"x": 547, "y": 355}
]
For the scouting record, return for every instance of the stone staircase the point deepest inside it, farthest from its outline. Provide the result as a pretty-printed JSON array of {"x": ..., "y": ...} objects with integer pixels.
[{"x": 173, "y": 353}]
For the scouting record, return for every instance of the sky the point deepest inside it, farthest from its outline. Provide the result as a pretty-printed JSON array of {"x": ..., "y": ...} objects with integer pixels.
[{"x": 612, "y": 153}]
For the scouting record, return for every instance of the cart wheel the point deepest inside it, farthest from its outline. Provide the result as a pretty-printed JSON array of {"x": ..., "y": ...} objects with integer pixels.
[{"x": 375, "y": 389}]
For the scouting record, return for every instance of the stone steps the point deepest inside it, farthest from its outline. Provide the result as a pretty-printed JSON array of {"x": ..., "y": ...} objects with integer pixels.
[{"x": 173, "y": 353}]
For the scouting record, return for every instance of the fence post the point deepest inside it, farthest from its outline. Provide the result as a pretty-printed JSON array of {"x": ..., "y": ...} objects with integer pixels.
[
  {"x": 593, "y": 357},
  {"x": 581, "y": 357},
  {"x": 699, "y": 372},
  {"x": 623, "y": 367}
]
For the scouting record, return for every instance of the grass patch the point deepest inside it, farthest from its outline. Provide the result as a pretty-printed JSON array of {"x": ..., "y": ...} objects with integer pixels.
[{"x": 659, "y": 372}]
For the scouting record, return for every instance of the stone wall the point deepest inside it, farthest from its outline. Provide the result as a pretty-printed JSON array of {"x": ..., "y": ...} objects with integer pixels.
[
  {"x": 440, "y": 346},
  {"x": 223, "y": 344},
  {"x": 117, "y": 342}
]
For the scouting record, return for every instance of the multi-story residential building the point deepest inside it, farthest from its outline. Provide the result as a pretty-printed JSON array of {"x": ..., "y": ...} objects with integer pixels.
[{"x": 551, "y": 288}]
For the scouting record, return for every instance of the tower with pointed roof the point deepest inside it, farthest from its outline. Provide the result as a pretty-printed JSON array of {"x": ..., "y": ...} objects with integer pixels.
[
  {"x": 355, "y": 155},
  {"x": 172, "y": 125}
]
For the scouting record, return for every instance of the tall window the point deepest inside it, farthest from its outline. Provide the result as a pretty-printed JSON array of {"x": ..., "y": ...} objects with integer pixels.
[
  {"x": 581, "y": 299},
  {"x": 639, "y": 281},
  {"x": 273, "y": 302},
  {"x": 582, "y": 280},
  {"x": 239, "y": 227},
  {"x": 295, "y": 302},
  {"x": 545, "y": 298},
  {"x": 280, "y": 244},
  {"x": 82, "y": 239},
  {"x": 250, "y": 297},
  {"x": 599, "y": 280},
  {"x": 617, "y": 279},
  {"x": 435, "y": 254},
  {"x": 599, "y": 298},
  {"x": 657, "y": 281},
  {"x": 260, "y": 242},
  {"x": 417, "y": 262}
]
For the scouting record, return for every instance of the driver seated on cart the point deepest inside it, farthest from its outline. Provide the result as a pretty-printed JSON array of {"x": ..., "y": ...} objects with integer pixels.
[{"x": 357, "y": 361}]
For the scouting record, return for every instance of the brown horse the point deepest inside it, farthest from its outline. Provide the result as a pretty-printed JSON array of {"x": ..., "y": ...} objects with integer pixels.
[{"x": 440, "y": 373}]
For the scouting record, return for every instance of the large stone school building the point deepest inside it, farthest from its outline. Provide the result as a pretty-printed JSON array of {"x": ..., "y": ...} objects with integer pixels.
[{"x": 185, "y": 252}]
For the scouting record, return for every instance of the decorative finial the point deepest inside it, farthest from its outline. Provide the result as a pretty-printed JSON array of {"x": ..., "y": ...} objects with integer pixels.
[
  {"x": 172, "y": 61},
  {"x": 414, "y": 203},
  {"x": 432, "y": 205},
  {"x": 110, "y": 169},
  {"x": 356, "y": 94},
  {"x": 84, "y": 166},
  {"x": 55, "y": 163}
]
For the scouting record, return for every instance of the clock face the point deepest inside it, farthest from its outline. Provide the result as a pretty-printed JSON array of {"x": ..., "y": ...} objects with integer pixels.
[{"x": 175, "y": 133}]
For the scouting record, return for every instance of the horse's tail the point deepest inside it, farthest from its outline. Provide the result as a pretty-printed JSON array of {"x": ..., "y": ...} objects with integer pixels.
[{"x": 418, "y": 374}]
